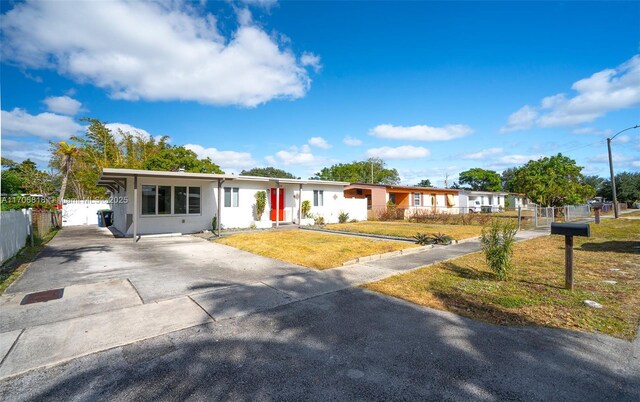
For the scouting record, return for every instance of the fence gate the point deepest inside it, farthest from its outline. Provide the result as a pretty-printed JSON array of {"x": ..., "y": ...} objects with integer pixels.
[{"x": 543, "y": 216}]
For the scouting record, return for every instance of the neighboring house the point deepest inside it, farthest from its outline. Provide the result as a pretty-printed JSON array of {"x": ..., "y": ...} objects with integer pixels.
[
  {"x": 408, "y": 199},
  {"x": 515, "y": 201},
  {"x": 150, "y": 202},
  {"x": 481, "y": 201}
]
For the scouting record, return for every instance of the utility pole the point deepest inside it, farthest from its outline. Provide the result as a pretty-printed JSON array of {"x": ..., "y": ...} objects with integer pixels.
[{"x": 613, "y": 179}]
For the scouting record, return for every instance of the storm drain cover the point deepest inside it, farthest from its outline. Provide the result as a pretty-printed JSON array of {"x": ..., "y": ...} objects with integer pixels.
[{"x": 44, "y": 296}]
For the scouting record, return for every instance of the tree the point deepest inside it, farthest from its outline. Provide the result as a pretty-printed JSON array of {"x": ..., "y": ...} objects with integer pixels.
[
  {"x": 173, "y": 158},
  {"x": 424, "y": 183},
  {"x": 627, "y": 187},
  {"x": 24, "y": 177},
  {"x": 268, "y": 172},
  {"x": 10, "y": 183},
  {"x": 595, "y": 182},
  {"x": 481, "y": 180},
  {"x": 101, "y": 148},
  {"x": 67, "y": 154},
  {"x": 360, "y": 172},
  {"x": 506, "y": 178},
  {"x": 552, "y": 181}
]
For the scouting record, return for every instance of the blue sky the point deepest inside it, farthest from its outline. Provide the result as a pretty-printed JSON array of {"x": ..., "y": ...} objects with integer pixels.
[{"x": 434, "y": 88}]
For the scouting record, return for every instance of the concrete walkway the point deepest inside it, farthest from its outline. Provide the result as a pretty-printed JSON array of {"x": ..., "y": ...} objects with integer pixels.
[{"x": 93, "y": 317}]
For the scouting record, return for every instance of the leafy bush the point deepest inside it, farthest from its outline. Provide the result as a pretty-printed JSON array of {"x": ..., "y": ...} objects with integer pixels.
[
  {"x": 428, "y": 216},
  {"x": 497, "y": 240},
  {"x": 261, "y": 203},
  {"x": 390, "y": 213},
  {"x": 305, "y": 208},
  {"x": 343, "y": 217},
  {"x": 318, "y": 220},
  {"x": 438, "y": 238},
  {"x": 214, "y": 224}
]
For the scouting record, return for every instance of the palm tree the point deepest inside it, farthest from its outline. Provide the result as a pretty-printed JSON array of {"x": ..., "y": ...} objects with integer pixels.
[{"x": 67, "y": 154}]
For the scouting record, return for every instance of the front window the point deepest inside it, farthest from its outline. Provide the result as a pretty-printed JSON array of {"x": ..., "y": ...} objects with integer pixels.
[
  {"x": 194, "y": 200},
  {"x": 416, "y": 199},
  {"x": 168, "y": 200},
  {"x": 164, "y": 200},
  {"x": 180, "y": 200},
  {"x": 148, "y": 200},
  {"x": 231, "y": 197},
  {"x": 318, "y": 198}
]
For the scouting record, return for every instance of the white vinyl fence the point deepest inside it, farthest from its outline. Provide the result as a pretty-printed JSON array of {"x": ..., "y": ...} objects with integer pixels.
[{"x": 15, "y": 227}]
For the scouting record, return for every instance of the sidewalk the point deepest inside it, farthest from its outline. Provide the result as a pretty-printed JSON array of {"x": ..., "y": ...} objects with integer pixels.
[{"x": 45, "y": 343}]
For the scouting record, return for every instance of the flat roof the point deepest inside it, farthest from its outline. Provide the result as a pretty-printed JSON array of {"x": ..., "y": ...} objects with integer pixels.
[
  {"x": 110, "y": 173},
  {"x": 406, "y": 188}
]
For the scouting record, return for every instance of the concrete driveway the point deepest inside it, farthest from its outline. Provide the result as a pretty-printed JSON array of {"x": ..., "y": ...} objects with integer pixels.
[{"x": 158, "y": 267}]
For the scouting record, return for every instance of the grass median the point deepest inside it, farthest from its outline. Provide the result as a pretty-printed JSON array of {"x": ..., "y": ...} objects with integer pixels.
[
  {"x": 311, "y": 249},
  {"x": 607, "y": 270},
  {"x": 407, "y": 229},
  {"x": 12, "y": 269}
]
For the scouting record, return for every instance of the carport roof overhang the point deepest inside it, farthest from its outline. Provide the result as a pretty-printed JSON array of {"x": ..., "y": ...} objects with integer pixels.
[{"x": 110, "y": 175}]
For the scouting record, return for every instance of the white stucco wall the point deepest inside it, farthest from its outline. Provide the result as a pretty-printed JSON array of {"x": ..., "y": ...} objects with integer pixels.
[
  {"x": 242, "y": 216},
  {"x": 82, "y": 212}
]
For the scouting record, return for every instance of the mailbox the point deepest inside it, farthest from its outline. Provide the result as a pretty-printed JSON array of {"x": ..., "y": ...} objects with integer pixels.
[
  {"x": 568, "y": 230},
  {"x": 571, "y": 229}
]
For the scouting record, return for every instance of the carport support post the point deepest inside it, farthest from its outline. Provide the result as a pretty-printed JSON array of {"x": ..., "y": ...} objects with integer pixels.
[
  {"x": 219, "y": 205},
  {"x": 300, "y": 205},
  {"x": 568, "y": 262},
  {"x": 277, "y": 204},
  {"x": 135, "y": 208}
]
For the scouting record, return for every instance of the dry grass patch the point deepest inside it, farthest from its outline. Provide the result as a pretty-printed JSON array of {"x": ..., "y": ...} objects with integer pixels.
[
  {"x": 311, "y": 249},
  {"x": 534, "y": 294},
  {"x": 407, "y": 229}
]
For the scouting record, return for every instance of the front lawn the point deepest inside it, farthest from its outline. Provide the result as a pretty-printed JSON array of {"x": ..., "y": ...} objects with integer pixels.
[
  {"x": 407, "y": 229},
  {"x": 534, "y": 295},
  {"x": 311, "y": 249}
]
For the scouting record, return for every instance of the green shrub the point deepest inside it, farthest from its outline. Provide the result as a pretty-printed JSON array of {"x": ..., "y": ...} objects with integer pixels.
[
  {"x": 343, "y": 217},
  {"x": 261, "y": 203},
  {"x": 305, "y": 208},
  {"x": 497, "y": 240},
  {"x": 318, "y": 220},
  {"x": 214, "y": 224},
  {"x": 438, "y": 238}
]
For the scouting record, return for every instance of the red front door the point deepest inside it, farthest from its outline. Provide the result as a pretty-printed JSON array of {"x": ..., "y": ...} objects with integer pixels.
[{"x": 277, "y": 205}]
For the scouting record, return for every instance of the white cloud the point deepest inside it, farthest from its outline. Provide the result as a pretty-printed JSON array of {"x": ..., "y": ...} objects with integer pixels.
[
  {"x": 228, "y": 160},
  {"x": 261, "y": 3},
  {"x": 421, "y": 132},
  {"x": 44, "y": 125},
  {"x": 311, "y": 60},
  {"x": 518, "y": 159},
  {"x": 19, "y": 151},
  {"x": 352, "y": 142},
  {"x": 604, "y": 158},
  {"x": 402, "y": 152},
  {"x": 319, "y": 142},
  {"x": 127, "y": 128},
  {"x": 592, "y": 131},
  {"x": 521, "y": 119},
  {"x": 63, "y": 105},
  {"x": 595, "y": 96},
  {"x": 154, "y": 51},
  {"x": 294, "y": 156},
  {"x": 483, "y": 153}
]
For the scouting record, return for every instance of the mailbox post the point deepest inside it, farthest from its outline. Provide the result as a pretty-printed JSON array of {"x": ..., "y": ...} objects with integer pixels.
[
  {"x": 568, "y": 230},
  {"x": 597, "y": 206}
]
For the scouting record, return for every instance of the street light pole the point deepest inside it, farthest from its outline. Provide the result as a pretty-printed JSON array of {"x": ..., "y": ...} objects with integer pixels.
[{"x": 613, "y": 179}]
